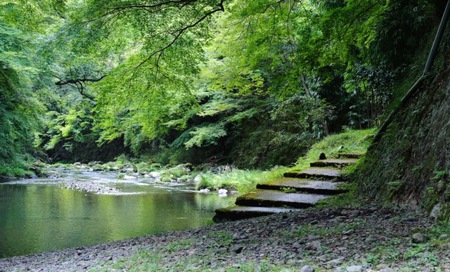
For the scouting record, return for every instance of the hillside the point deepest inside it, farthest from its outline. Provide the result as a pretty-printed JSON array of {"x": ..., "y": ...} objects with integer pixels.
[{"x": 410, "y": 163}]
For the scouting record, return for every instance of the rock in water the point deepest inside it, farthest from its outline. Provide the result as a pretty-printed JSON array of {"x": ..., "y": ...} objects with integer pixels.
[{"x": 223, "y": 192}]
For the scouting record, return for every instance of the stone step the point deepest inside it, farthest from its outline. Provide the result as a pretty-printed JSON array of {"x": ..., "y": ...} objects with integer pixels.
[
  {"x": 303, "y": 185},
  {"x": 315, "y": 173},
  {"x": 241, "y": 212},
  {"x": 351, "y": 155},
  {"x": 272, "y": 198},
  {"x": 333, "y": 163}
]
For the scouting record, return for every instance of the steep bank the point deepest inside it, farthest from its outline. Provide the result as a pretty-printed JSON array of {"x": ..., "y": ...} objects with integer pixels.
[{"x": 410, "y": 163}]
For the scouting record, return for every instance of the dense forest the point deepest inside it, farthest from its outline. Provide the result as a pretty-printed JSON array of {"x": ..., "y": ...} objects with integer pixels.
[{"x": 248, "y": 83}]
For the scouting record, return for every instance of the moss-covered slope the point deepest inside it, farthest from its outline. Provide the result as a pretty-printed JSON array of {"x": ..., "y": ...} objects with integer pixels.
[{"x": 410, "y": 162}]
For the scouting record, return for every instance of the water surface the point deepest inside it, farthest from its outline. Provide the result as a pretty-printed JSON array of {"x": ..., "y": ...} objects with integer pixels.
[{"x": 41, "y": 215}]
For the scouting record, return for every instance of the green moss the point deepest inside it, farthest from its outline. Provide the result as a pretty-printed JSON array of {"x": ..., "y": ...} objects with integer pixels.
[{"x": 351, "y": 141}]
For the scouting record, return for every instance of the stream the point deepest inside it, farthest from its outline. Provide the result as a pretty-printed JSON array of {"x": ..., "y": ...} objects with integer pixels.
[{"x": 81, "y": 208}]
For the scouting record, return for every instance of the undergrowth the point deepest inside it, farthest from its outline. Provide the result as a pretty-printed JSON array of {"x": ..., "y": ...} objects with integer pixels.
[
  {"x": 351, "y": 141},
  {"x": 233, "y": 178}
]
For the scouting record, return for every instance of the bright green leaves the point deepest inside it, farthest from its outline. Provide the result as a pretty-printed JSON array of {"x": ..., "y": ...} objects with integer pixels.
[
  {"x": 206, "y": 135},
  {"x": 352, "y": 28},
  {"x": 142, "y": 102},
  {"x": 203, "y": 75},
  {"x": 18, "y": 106}
]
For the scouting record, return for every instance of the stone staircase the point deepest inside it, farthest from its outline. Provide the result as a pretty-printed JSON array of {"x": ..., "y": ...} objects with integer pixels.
[{"x": 296, "y": 190}]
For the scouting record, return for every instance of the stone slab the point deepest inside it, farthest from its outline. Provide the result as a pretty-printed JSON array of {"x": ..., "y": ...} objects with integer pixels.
[
  {"x": 351, "y": 155},
  {"x": 315, "y": 173},
  {"x": 242, "y": 212},
  {"x": 333, "y": 163},
  {"x": 303, "y": 185},
  {"x": 272, "y": 198}
]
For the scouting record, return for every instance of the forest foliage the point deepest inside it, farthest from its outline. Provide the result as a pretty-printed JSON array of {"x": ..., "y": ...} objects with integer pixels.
[{"x": 251, "y": 83}]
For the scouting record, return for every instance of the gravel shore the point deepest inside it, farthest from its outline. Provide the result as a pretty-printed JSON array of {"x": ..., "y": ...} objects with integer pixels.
[{"x": 341, "y": 239}]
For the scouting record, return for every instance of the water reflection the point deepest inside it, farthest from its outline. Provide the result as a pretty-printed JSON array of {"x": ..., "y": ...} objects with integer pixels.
[{"x": 38, "y": 217}]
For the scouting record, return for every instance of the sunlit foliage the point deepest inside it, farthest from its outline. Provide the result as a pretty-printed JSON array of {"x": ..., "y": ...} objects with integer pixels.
[{"x": 247, "y": 82}]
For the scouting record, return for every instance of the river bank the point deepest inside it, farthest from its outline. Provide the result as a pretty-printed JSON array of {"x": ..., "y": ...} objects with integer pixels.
[{"x": 339, "y": 239}]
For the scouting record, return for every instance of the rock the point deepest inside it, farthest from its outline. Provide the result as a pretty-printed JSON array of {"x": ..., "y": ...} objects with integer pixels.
[
  {"x": 238, "y": 249},
  {"x": 296, "y": 245},
  {"x": 444, "y": 237},
  {"x": 347, "y": 232},
  {"x": 354, "y": 268},
  {"x": 418, "y": 238},
  {"x": 206, "y": 190},
  {"x": 197, "y": 179},
  {"x": 382, "y": 268},
  {"x": 434, "y": 214},
  {"x": 307, "y": 268},
  {"x": 314, "y": 246},
  {"x": 128, "y": 177},
  {"x": 155, "y": 175},
  {"x": 322, "y": 156},
  {"x": 313, "y": 237},
  {"x": 350, "y": 212},
  {"x": 336, "y": 262},
  {"x": 223, "y": 192}
]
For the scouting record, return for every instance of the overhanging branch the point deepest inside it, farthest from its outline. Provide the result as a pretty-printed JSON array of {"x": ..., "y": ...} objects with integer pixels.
[
  {"x": 179, "y": 32},
  {"x": 78, "y": 80},
  {"x": 78, "y": 83}
]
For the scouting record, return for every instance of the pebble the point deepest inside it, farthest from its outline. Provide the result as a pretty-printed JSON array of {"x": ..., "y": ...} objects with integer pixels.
[
  {"x": 335, "y": 261},
  {"x": 418, "y": 238},
  {"x": 307, "y": 268},
  {"x": 354, "y": 268},
  {"x": 314, "y": 246},
  {"x": 313, "y": 237}
]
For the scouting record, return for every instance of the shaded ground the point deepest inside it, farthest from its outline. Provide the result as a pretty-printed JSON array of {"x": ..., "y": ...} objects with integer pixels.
[{"x": 343, "y": 239}]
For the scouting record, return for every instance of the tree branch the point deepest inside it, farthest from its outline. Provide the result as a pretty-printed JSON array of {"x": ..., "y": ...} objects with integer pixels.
[
  {"x": 79, "y": 84},
  {"x": 179, "y": 33},
  {"x": 172, "y": 3},
  {"x": 78, "y": 80}
]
